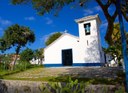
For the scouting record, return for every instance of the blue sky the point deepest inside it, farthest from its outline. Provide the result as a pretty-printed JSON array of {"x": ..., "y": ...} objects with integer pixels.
[{"x": 45, "y": 25}]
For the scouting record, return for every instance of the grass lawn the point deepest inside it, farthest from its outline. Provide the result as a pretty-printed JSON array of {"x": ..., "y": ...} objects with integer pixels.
[
  {"x": 42, "y": 74},
  {"x": 7, "y": 72}
]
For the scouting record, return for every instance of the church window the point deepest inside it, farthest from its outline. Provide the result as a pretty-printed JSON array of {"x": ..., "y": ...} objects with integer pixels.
[{"x": 87, "y": 28}]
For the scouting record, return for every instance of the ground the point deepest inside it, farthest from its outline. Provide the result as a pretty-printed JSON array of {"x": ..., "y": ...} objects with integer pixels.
[
  {"x": 97, "y": 76},
  {"x": 77, "y": 72}
]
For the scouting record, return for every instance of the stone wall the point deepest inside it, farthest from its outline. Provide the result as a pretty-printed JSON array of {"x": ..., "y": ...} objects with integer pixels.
[{"x": 18, "y": 86}]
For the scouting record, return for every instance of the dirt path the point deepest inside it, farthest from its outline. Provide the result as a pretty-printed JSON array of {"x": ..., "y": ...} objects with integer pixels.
[{"x": 102, "y": 72}]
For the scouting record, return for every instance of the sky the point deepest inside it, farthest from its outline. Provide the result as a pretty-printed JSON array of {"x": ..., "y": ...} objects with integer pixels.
[{"x": 45, "y": 25}]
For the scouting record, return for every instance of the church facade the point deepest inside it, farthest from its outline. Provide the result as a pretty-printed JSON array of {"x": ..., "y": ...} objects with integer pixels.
[{"x": 70, "y": 50}]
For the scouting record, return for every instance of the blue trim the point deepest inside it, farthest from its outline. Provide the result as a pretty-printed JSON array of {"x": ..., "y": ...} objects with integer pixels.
[
  {"x": 53, "y": 65},
  {"x": 74, "y": 64},
  {"x": 87, "y": 64}
]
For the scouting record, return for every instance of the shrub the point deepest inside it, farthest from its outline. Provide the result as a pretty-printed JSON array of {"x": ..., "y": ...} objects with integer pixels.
[
  {"x": 120, "y": 90},
  {"x": 59, "y": 87},
  {"x": 75, "y": 87}
]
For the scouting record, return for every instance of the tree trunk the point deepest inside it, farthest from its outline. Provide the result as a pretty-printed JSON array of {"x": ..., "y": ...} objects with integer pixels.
[
  {"x": 14, "y": 62},
  {"x": 41, "y": 61},
  {"x": 108, "y": 36},
  {"x": 16, "y": 56},
  {"x": 38, "y": 61},
  {"x": 110, "y": 19}
]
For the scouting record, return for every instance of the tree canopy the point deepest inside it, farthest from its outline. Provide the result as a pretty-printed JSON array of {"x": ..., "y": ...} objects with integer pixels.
[
  {"x": 46, "y": 6},
  {"x": 18, "y": 36},
  {"x": 52, "y": 38},
  {"x": 26, "y": 55}
]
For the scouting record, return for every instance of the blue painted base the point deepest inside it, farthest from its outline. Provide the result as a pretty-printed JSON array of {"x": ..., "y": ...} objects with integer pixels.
[
  {"x": 87, "y": 64},
  {"x": 53, "y": 65},
  {"x": 74, "y": 64}
]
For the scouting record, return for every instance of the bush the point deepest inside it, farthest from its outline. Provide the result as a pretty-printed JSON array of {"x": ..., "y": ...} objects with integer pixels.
[
  {"x": 75, "y": 87},
  {"x": 4, "y": 62},
  {"x": 23, "y": 65},
  {"x": 120, "y": 90},
  {"x": 58, "y": 87}
]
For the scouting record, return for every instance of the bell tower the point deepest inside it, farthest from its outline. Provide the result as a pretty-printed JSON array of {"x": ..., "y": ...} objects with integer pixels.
[
  {"x": 88, "y": 27},
  {"x": 89, "y": 37}
]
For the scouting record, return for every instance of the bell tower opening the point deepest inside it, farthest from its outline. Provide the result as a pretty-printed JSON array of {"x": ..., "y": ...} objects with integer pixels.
[{"x": 87, "y": 27}]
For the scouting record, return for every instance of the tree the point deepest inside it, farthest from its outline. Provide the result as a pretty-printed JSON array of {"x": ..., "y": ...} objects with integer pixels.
[
  {"x": 52, "y": 38},
  {"x": 3, "y": 45},
  {"x": 45, "y": 6},
  {"x": 116, "y": 34},
  {"x": 39, "y": 55},
  {"x": 115, "y": 48},
  {"x": 115, "y": 52},
  {"x": 17, "y": 36},
  {"x": 26, "y": 55}
]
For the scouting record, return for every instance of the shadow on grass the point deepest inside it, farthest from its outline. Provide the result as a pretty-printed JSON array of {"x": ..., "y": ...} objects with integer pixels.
[
  {"x": 1, "y": 77},
  {"x": 93, "y": 72},
  {"x": 109, "y": 75}
]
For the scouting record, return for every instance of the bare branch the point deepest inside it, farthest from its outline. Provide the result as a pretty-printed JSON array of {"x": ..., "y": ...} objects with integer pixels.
[
  {"x": 125, "y": 16},
  {"x": 105, "y": 10},
  {"x": 108, "y": 3}
]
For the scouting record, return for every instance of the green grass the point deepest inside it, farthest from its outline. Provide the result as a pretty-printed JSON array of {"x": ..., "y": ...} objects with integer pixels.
[
  {"x": 8, "y": 73},
  {"x": 66, "y": 79}
]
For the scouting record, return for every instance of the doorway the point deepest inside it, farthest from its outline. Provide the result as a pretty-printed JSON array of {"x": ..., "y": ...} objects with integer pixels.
[{"x": 67, "y": 57}]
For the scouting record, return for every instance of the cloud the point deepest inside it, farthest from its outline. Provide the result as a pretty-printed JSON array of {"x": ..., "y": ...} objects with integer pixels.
[
  {"x": 91, "y": 10},
  {"x": 31, "y": 18},
  {"x": 5, "y": 22},
  {"x": 45, "y": 37},
  {"x": 87, "y": 12},
  {"x": 48, "y": 21}
]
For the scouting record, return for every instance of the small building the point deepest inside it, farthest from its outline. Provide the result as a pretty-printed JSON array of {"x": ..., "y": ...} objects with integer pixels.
[
  {"x": 37, "y": 61},
  {"x": 70, "y": 50}
]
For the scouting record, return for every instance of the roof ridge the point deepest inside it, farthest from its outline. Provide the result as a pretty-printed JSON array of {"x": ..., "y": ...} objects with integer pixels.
[{"x": 87, "y": 18}]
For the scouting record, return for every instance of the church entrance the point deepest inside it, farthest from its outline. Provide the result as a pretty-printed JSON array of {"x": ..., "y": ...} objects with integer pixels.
[{"x": 67, "y": 57}]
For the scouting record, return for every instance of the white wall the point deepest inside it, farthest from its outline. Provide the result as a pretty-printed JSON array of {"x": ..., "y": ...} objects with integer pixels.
[
  {"x": 90, "y": 52},
  {"x": 53, "y": 52},
  {"x": 36, "y": 61}
]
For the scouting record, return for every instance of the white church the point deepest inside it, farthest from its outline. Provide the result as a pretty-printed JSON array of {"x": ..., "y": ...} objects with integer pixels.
[{"x": 70, "y": 50}]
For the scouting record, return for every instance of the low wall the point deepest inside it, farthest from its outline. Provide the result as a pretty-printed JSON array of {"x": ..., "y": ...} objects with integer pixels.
[{"x": 18, "y": 86}]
